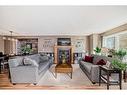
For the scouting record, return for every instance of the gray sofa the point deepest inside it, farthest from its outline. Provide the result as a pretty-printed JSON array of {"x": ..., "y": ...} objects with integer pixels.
[
  {"x": 21, "y": 73},
  {"x": 92, "y": 70}
]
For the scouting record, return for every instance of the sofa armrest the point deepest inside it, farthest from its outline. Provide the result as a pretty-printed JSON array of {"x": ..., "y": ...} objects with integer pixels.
[
  {"x": 15, "y": 62},
  {"x": 79, "y": 60},
  {"x": 24, "y": 74},
  {"x": 95, "y": 73}
]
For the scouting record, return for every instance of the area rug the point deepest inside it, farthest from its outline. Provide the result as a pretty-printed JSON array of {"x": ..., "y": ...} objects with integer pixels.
[{"x": 78, "y": 78}]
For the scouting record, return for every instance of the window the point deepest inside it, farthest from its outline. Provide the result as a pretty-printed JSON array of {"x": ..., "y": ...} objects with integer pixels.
[
  {"x": 116, "y": 41},
  {"x": 109, "y": 42}
]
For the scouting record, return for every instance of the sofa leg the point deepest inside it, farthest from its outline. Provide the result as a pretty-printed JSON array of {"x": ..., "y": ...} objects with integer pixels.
[
  {"x": 34, "y": 83},
  {"x": 14, "y": 83},
  {"x": 93, "y": 82}
]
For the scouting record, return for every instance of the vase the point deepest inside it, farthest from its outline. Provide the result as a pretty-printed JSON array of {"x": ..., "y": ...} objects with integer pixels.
[
  {"x": 98, "y": 53},
  {"x": 63, "y": 61}
]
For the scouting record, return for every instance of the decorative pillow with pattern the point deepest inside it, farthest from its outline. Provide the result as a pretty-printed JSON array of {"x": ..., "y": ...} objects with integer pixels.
[
  {"x": 29, "y": 61},
  {"x": 108, "y": 65}
]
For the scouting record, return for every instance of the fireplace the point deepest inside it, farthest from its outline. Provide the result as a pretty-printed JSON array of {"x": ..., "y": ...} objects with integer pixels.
[{"x": 63, "y": 53}]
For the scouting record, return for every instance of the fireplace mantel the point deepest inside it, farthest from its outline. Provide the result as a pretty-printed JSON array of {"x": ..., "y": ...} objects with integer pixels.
[{"x": 56, "y": 47}]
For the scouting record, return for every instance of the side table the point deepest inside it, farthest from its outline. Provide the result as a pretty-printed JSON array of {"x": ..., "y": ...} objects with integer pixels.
[{"x": 107, "y": 77}]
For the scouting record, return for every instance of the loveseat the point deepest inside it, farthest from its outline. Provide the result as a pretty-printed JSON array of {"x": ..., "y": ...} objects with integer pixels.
[
  {"x": 91, "y": 69},
  {"x": 21, "y": 72}
]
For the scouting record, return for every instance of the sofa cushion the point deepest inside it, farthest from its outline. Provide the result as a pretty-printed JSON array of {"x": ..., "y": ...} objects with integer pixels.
[
  {"x": 43, "y": 66},
  {"x": 87, "y": 66},
  {"x": 44, "y": 58},
  {"x": 101, "y": 62},
  {"x": 88, "y": 59},
  {"x": 29, "y": 61},
  {"x": 99, "y": 57},
  {"x": 35, "y": 57}
]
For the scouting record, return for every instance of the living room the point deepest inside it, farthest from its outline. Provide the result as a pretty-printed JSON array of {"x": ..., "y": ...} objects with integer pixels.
[{"x": 36, "y": 40}]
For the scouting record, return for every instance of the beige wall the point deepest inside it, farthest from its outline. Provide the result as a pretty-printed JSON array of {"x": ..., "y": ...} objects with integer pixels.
[
  {"x": 9, "y": 47},
  {"x": 1, "y": 45},
  {"x": 89, "y": 42},
  {"x": 53, "y": 41},
  {"x": 94, "y": 41}
]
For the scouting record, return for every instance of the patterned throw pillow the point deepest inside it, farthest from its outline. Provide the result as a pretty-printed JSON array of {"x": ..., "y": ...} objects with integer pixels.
[
  {"x": 29, "y": 61},
  {"x": 108, "y": 65}
]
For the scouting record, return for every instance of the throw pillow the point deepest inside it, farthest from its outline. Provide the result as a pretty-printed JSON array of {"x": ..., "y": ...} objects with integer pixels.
[
  {"x": 108, "y": 65},
  {"x": 44, "y": 58},
  {"x": 29, "y": 61},
  {"x": 88, "y": 59},
  {"x": 101, "y": 62}
]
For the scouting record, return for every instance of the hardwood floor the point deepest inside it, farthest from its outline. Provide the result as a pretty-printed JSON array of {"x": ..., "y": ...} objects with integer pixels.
[
  {"x": 4, "y": 80},
  {"x": 6, "y": 84}
]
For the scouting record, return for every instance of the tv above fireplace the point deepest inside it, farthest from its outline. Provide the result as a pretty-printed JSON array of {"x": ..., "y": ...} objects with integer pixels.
[{"x": 64, "y": 41}]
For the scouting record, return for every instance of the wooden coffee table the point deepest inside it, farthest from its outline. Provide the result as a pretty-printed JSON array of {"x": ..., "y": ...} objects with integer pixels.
[{"x": 64, "y": 68}]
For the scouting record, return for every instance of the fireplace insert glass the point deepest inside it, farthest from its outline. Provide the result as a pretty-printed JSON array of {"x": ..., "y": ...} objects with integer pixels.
[
  {"x": 64, "y": 54},
  {"x": 64, "y": 41}
]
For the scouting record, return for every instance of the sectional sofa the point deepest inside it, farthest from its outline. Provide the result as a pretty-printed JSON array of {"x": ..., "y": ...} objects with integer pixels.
[
  {"x": 31, "y": 72},
  {"x": 92, "y": 70}
]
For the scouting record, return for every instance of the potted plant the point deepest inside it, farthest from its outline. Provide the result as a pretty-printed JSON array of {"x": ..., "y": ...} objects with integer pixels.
[
  {"x": 97, "y": 50},
  {"x": 120, "y": 54},
  {"x": 118, "y": 62},
  {"x": 26, "y": 50}
]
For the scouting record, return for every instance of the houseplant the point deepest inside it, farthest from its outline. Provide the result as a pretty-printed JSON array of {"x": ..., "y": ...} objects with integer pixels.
[
  {"x": 118, "y": 62},
  {"x": 97, "y": 50},
  {"x": 26, "y": 50},
  {"x": 120, "y": 54}
]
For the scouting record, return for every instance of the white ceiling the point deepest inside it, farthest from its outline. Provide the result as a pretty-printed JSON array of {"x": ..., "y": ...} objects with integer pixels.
[{"x": 60, "y": 20}]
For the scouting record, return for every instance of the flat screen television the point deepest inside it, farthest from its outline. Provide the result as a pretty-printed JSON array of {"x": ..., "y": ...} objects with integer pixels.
[{"x": 64, "y": 41}]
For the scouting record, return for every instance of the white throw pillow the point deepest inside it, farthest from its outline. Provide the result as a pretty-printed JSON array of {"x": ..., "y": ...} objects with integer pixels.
[
  {"x": 108, "y": 65},
  {"x": 29, "y": 61}
]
